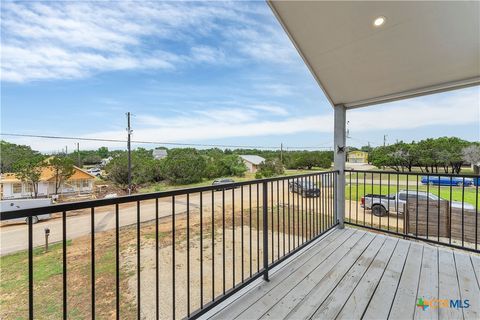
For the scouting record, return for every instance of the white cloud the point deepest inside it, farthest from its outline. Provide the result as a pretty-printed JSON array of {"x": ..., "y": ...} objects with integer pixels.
[
  {"x": 451, "y": 108},
  {"x": 271, "y": 109},
  {"x": 58, "y": 40}
]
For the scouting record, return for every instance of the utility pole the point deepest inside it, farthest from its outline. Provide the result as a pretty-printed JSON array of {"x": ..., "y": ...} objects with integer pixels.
[
  {"x": 281, "y": 152},
  {"x": 129, "y": 132},
  {"x": 78, "y": 155},
  {"x": 66, "y": 150},
  {"x": 384, "y": 140}
]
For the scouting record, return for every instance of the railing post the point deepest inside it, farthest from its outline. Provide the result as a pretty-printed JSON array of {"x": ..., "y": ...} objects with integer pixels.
[
  {"x": 265, "y": 230},
  {"x": 339, "y": 161}
]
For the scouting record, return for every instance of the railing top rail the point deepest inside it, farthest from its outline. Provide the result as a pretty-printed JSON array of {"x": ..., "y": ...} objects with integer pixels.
[
  {"x": 416, "y": 173},
  {"x": 23, "y": 213}
]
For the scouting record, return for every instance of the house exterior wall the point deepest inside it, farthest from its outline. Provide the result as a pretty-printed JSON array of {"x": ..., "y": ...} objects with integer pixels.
[
  {"x": 252, "y": 168},
  {"x": 46, "y": 189},
  {"x": 357, "y": 157}
]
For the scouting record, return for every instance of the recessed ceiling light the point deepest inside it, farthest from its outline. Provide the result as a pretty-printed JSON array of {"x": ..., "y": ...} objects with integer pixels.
[{"x": 380, "y": 21}]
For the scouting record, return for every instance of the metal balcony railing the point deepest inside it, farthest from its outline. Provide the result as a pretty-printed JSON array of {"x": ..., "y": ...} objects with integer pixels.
[
  {"x": 432, "y": 207},
  {"x": 208, "y": 243}
]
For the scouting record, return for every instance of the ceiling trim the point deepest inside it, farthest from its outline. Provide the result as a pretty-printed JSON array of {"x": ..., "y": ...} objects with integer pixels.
[{"x": 449, "y": 86}]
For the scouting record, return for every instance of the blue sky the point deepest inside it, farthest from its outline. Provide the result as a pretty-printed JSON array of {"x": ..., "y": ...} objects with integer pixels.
[{"x": 203, "y": 72}]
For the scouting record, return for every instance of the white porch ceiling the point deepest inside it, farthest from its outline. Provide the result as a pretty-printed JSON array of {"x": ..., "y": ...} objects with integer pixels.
[{"x": 423, "y": 47}]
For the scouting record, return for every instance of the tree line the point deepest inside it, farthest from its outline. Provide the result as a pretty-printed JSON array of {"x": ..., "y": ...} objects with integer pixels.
[
  {"x": 447, "y": 154},
  {"x": 181, "y": 166}
]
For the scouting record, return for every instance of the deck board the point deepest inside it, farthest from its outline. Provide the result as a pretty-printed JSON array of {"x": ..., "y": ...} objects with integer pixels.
[
  {"x": 469, "y": 289},
  {"x": 356, "y": 274}
]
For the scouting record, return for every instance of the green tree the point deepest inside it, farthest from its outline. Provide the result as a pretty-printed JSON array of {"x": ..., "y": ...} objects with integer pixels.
[
  {"x": 62, "y": 168},
  {"x": 269, "y": 168},
  {"x": 103, "y": 152},
  {"x": 183, "y": 166},
  {"x": 29, "y": 171},
  {"x": 145, "y": 169},
  {"x": 13, "y": 153}
]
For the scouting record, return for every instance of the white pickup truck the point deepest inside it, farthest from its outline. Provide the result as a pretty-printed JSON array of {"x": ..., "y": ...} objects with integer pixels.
[
  {"x": 381, "y": 205},
  {"x": 17, "y": 204}
]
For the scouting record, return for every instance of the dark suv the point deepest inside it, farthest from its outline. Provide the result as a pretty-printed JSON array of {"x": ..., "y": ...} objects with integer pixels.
[
  {"x": 305, "y": 188},
  {"x": 219, "y": 182}
]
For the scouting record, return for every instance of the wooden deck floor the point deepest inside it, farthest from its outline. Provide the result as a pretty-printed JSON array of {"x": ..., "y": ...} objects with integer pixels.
[{"x": 354, "y": 274}]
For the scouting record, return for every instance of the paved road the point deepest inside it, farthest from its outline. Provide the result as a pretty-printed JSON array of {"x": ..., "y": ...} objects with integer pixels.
[{"x": 14, "y": 237}]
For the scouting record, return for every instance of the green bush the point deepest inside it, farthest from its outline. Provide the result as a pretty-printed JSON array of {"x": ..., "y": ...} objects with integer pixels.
[
  {"x": 183, "y": 166},
  {"x": 269, "y": 168}
]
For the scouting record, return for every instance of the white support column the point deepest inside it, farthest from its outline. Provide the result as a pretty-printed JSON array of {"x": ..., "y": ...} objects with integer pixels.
[{"x": 339, "y": 142}]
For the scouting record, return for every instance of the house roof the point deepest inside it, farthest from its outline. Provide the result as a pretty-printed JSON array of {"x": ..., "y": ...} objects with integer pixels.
[
  {"x": 159, "y": 153},
  {"x": 422, "y": 48},
  {"x": 48, "y": 175},
  {"x": 256, "y": 160}
]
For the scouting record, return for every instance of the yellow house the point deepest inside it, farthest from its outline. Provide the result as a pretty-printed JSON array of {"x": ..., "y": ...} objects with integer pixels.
[
  {"x": 13, "y": 188},
  {"x": 357, "y": 157}
]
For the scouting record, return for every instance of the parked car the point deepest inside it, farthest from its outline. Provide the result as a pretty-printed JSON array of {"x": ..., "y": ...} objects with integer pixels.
[
  {"x": 223, "y": 181},
  {"x": 381, "y": 205},
  {"x": 17, "y": 204},
  {"x": 447, "y": 181},
  {"x": 95, "y": 171},
  {"x": 305, "y": 188}
]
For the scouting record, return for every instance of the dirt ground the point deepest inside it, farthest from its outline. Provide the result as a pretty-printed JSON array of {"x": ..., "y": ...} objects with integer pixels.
[{"x": 48, "y": 266}]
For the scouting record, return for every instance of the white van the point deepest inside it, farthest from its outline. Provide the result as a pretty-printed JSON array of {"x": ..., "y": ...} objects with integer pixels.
[{"x": 17, "y": 204}]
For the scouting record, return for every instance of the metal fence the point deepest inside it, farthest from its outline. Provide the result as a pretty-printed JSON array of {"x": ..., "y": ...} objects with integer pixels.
[
  {"x": 208, "y": 243},
  {"x": 437, "y": 208}
]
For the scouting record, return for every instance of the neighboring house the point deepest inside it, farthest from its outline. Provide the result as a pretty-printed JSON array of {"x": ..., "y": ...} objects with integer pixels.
[
  {"x": 106, "y": 161},
  {"x": 252, "y": 162},
  {"x": 12, "y": 188},
  {"x": 357, "y": 157},
  {"x": 159, "y": 154}
]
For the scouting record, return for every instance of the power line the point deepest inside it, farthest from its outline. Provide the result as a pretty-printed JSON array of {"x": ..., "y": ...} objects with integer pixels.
[{"x": 158, "y": 142}]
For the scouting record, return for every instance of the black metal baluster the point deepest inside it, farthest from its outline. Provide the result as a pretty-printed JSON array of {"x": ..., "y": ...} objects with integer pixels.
[
  {"x": 201, "y": 250},
  {"x": 30, "y": 267},
  {"x": 243, "y": 249},
  {"x": 278, "y": 220},
  {"x": 350, "y": 197},
  {"x": 92, "y": 243},
  {"x": 396, "y": 201},
  {"x": 463, "y": 205},
  {"x": 450, "y": 212},
  {"x": 117, "y": 264},
  {"x": 213, "y": 245},
  {"x": 293, "y": 212},
  {"x": 223, "y": 239},
  {"x": 356, "y": 197},
  {"x": 283, "y": 211},
  {"x": 438, "y": 214},
  {"x": 233, "y": 237},
  {"x": 416, "y": 212},
  {"x": 388, "y": 203},
  {"x": 188, "y": 254},
  {"x": 173, "y": 258},
  {"x": 371, "y": 205},
  {"x": 138, "y": 262},
  {"x": 272, "y": 221},
  {"x": 265, "y": 231},
  {"x": 157, "y": 271},
  {"x": 381, "y": 195},
  {"x": 476, "y": 211},
  {"x": 365, "y": 196},
  {"x": 250, "y": 225},
  {"x": 428, "y": 200},
  {"x": 64, "y": 252},
  {"x": 258, "y": 227}
]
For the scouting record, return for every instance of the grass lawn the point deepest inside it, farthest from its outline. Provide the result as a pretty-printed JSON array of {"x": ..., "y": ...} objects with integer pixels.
[{"x": 356, "y": 193}]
